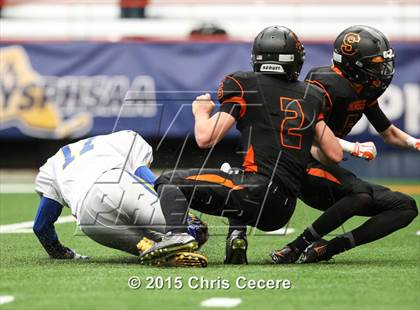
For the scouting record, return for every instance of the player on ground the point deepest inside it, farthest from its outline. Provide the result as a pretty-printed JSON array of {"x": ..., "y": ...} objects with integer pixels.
[
  {"x": 106, "y": 182},
  {"x": 363, "y": 67},
  {"x": 278, "y": 117}
]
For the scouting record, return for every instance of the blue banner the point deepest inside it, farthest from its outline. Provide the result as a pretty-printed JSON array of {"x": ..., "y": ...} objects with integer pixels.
[{"x": 69, "y": 90}]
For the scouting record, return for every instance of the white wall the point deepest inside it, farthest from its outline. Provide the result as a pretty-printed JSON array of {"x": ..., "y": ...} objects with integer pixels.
[{"x": 313, "y": 21}]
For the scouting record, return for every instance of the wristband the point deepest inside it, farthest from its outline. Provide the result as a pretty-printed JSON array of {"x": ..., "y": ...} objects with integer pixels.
[
  {"x": 412, "y": 142},
  {"x": 347, "y": 146}
]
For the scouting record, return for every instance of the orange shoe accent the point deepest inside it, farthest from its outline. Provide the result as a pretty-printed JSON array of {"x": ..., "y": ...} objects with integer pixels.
[
  {"x": 214, "y": 178},
  {"x": 320, "y": 249},
  {"x": 321, "y": 173}
]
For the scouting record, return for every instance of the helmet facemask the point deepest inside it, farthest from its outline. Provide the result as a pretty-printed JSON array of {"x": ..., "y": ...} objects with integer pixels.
[{"x": 378, "y": 67}]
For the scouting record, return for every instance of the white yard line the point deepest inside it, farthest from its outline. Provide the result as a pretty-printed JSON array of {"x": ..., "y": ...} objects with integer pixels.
[
  {"x": 17, "y": 188},
  {"x": 26, "y": 227},
  {"x": 5, "y": 299},
  {"x": 221, "y": 302}
]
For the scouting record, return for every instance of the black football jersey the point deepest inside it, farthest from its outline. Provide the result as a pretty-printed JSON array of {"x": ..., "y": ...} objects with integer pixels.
[
  {"x": 276, "y": 119},
  {"x": 346, "y": 104}
]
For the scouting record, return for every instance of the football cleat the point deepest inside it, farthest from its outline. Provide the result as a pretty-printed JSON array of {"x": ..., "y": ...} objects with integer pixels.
[
  {"x": 287, "y": 255},
  {"x": 197, "y": 229},
  {"x": 145, "y": 244},
  {"x": 314, "y": 253},
  {"x": 236, "y": 246},
  {"x": 183, "y": 259},
  {"x": 152, "y": 252}
]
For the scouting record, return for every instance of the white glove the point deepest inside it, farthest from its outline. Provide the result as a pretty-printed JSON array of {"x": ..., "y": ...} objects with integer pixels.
[
  {"x": 414, "y": 143},
  {"x": 71, "y": 254},
  {"x": 78, "y": 256},
  {"x": 365, "y": 150}
]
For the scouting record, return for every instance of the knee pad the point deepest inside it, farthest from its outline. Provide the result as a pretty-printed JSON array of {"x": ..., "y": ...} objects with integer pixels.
[
  {"x": 404, "y": 204},
  {"x": 409, "y": 204}
]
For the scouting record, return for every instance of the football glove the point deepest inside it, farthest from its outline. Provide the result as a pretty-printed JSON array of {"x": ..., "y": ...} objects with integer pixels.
[
  {"x": 68, "y": 253},
  {"x": 414, "y": 143},
  {"x": 365, "y": 150}
]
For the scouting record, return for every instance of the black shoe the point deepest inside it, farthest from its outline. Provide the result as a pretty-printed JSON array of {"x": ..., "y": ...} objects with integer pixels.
[
  {"x": 315, "y": 253},
  {"x": 287, "y": 255},
  {"x": 236, "y": 246}
]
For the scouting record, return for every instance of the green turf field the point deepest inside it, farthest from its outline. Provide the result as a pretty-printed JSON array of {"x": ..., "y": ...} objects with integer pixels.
[{"x": 383, "y": 275}]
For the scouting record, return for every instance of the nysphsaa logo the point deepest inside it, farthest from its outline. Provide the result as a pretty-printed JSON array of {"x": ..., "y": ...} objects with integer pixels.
[
  {"x": 57, "y": 107},
  {"x": 24, "y": 103}
]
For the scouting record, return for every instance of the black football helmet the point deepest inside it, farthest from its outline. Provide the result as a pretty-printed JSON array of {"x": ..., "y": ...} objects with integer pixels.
[
  {"x": 277, "y": 50},
  {"x": 365, "y": 56}
]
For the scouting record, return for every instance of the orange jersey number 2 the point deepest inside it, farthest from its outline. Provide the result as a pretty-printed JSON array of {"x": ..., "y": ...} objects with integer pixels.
[{"x": 292, "y": 123}]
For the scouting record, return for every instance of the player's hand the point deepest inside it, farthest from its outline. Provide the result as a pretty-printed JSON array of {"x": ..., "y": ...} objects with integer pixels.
[
  {"x": 365, "y": 150},
  {"x": 414, "y": 143},
  {"x": 203, "y": 105}
]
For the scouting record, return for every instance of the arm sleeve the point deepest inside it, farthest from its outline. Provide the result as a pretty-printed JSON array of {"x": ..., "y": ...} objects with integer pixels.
[
  {"x": 48, "y": 212},
  {"x": 231, "y": 97},
  {"x": 146, "y": 174},
  {"x": 376, "y": 117}
]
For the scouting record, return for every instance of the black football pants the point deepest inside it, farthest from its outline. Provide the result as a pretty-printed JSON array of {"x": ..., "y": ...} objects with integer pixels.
[
  {"x": 342, "y": 195},
  {"x": 248, "y": 198}
]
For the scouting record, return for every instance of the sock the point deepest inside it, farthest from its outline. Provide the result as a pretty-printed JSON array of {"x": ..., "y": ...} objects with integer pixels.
[
  {"x": 235, "y": 224},
  {"x": 174, "y": 208},
  {"x": 308, "y": 236},
  {"x": 339, "y": 244}
]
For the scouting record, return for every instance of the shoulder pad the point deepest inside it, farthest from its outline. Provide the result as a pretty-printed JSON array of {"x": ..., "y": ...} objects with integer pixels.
[{"x": 233, "y": 85}]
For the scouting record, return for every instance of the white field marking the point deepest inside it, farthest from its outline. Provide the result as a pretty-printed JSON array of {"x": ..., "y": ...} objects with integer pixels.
[
  {"x": 282, "y": 231},
  {"x": 221, "y": 302},
  {"x": 17, "y": 188},
  {"x": 5, "y": 299},
  {"x": 26, "y": 227},
  {"x": 418, "y": 233}
]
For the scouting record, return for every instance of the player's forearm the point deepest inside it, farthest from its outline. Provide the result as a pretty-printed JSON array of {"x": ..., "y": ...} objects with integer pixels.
[
  {"x": 328, "y": 143},
  {"x": 203, "y": 130},
  {"x": 396, "y": 137},
  {"x": 210, "y": 130},
  {"x": 319, "y": 155},
  {"x": 47, "y": 213}
]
